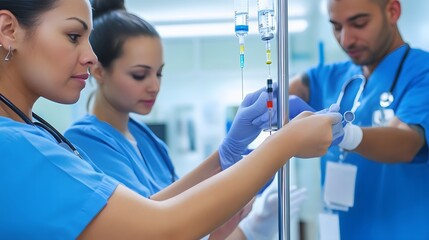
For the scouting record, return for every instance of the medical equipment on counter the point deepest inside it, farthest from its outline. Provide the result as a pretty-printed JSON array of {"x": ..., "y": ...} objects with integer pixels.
[
  {"x": 241, "y": 31},
  {"x": 62, "y": 141}
]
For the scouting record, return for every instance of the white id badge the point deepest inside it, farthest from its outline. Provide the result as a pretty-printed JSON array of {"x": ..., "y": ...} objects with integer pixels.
[
  {"x": 380, "y": 118},
  {"x": 329, "y": 226},
  {"x": 340, "y": 180}
]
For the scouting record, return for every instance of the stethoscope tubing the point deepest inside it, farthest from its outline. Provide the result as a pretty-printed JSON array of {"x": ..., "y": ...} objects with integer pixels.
[
  {"x": 42, "y": 123},
  {"x": 356, "y": 102},
  {"x": 358, "y": 94}
]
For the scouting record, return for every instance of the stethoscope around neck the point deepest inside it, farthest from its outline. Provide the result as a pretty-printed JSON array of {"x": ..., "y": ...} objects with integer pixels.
[
  {"x": 62, "y": 141},
  {"x": 386, "y": 98},
  {"x": 349, "y": 116}
]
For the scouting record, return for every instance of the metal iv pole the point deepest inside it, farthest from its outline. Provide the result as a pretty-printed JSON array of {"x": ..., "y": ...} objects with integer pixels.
[{"x": 283, "y": 116}]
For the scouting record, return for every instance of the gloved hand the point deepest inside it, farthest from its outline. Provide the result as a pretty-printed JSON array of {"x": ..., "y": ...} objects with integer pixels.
[
  {"x": 251, "y": 118},
  {"x": 262, "y": 221},
  {"x": 297, "y": 105},
  {"x": 338, "y": 128}
]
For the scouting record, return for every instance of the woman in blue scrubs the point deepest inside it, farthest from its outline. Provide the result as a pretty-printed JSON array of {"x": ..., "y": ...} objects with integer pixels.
[{"x": 51, "y": 190}]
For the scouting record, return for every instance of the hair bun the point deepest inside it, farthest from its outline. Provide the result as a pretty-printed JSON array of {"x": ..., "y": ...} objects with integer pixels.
[{"x": 100, "y": 7}]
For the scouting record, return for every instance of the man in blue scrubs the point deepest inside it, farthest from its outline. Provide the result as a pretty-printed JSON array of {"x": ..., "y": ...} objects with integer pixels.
[{"x": 389, "y": 146}]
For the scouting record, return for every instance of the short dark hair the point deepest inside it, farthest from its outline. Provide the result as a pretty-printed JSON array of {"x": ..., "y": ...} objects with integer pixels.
[{"x": 382, "y": 3}]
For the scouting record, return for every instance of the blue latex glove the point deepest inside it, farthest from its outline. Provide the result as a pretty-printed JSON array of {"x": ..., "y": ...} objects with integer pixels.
[
  {"x": 297, "y": 105},
  {"x": 251, "y": 118},
  {"x": 337, "y": 128},
  {"x": 261, "y": 223}
]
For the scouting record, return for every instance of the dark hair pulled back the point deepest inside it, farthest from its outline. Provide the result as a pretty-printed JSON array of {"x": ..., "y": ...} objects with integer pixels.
[
  {"x": 27, "y": 12},
  {"x": 113, "y": 25}
]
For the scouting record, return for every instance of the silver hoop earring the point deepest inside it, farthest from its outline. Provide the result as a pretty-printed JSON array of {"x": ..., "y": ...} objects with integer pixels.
[{"x": 9, "y": 54}]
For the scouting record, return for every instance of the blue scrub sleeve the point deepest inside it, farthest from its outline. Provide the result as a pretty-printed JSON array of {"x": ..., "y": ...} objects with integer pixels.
[
  {"x": 46, "y": 191},
  {"x": 112, "y": 162},
  {"x": 325, "y": 82},
  {"x": 314, "y": 88},
  {"x": 162, "y": 147},
  {"x": 414, "y": 110}
]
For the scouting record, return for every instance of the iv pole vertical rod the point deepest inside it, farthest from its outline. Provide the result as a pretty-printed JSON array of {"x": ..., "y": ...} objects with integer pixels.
[{"x": 283, "y": 116}]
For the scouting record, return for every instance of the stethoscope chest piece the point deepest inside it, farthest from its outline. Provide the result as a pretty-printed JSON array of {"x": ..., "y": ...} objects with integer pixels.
[
  {"x": 386, "y": 99},
  {"x": 349, "y": 116}
]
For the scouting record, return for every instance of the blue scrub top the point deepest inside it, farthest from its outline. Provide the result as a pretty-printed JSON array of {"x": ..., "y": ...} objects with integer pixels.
[
  {"x": 391, "y": 200},
  {"x": 46, "y": 192},
  {"x": 115, "y": 155}
]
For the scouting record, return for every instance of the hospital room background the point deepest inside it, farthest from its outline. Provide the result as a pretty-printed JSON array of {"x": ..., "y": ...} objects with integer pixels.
[{"x": 201, "y": 84}]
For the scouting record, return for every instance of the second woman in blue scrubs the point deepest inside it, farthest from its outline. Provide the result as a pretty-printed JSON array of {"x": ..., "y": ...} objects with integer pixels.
[{"x": 128, "y": 76}]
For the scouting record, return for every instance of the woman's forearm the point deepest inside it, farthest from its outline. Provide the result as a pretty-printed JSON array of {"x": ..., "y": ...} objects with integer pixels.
[
  {"x": 197, "y": 211},
  {"x": 206, "y": 169}
]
